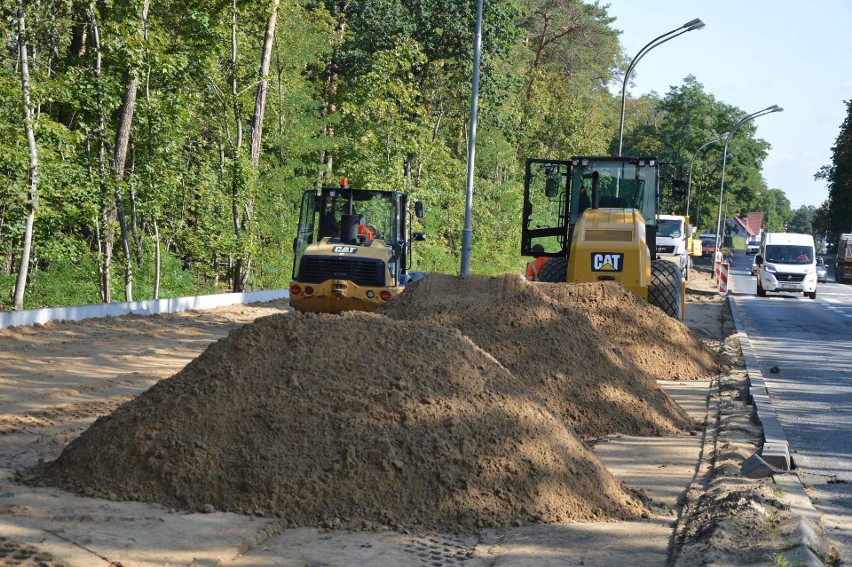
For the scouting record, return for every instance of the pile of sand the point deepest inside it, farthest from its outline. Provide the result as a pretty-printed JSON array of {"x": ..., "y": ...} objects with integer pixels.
[
  {"x": 659, "y": 345},
  {"x": 572, "y": 344},
  {"x": 353, "y": 421}
]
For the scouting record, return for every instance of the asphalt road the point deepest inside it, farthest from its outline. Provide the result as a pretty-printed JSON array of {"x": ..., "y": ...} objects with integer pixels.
[{"x": 810, "y": 343}]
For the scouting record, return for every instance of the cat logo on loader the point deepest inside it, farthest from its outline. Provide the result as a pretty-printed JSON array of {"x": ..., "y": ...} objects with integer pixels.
[{"x": 607, "y": 262}]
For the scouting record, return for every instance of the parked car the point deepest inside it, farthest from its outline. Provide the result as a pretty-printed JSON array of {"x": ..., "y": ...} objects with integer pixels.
[
  {"x": 752, "y": 246},
  {"x": 822, "y": 271}
]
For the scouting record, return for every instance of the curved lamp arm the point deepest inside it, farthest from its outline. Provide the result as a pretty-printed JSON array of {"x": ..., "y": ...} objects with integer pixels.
[
  {"x": 740, "y": 122},
  {"x": 691, "y": 25}
]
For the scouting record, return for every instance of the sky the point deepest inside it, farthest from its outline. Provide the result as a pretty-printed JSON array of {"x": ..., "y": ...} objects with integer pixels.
[{"x": 752, "y": 54}]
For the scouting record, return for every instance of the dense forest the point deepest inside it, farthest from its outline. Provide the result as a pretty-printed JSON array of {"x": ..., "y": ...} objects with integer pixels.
[{"x": 154, "y": 148}]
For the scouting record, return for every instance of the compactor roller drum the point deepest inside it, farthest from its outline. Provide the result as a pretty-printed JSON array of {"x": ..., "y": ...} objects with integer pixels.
[
  {"x": 665, "y": 289},
  {"x": 554, "y": 270}
]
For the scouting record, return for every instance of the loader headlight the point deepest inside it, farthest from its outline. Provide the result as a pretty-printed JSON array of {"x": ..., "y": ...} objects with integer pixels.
[
  {"x": 370, "y": 294},
  {"x": 385, "y": 295},
  {"x": 295, "y": 290}
]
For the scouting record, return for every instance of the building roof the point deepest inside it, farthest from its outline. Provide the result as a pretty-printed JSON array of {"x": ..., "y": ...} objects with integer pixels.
[
  {"x": 754, "y": 223},
  {"x": 742, "y": 224}
]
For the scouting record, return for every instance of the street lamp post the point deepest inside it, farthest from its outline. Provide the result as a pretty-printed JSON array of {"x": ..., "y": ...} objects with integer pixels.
[
  {"x": 695, "y": 24},
  {"x": 712, "y": 172},
  {"x": 691, "y": 163},
  {"x": 752, "y": 116},
  {"x": 467, "y": 232}
]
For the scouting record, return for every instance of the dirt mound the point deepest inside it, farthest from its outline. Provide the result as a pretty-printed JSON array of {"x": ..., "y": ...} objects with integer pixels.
[
  {"x": 660, "y": 345},
  {"x": 572, "y": 344},
  {"x": 345, "y": 421}
]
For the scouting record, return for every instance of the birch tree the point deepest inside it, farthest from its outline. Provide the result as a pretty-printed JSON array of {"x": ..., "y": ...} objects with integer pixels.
[
  {"x": 119, "y": 160},
  {"x": 32, "y": 173}
]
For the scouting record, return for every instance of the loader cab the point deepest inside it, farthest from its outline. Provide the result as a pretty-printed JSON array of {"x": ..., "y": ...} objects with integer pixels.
[
  {"x": 361, "y": 227},
  {"x": 556, "y": 193}
]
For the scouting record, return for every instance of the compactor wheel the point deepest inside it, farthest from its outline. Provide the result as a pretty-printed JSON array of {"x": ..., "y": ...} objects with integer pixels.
[
  {"x": 554, "y": 270},
  {"x": 665, "y": 289}
]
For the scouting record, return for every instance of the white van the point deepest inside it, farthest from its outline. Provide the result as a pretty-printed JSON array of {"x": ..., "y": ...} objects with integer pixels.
[
  {"x": 673, "y": 233},
  {"x": 786, "y": 263}
]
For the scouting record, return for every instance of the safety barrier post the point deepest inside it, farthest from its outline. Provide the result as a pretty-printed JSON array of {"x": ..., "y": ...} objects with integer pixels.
[{"x": 723, "y": 278}]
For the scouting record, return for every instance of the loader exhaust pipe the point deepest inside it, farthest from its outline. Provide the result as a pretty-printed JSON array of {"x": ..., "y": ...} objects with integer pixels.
[
  {"x": 349, "y": 228},
  {"x": 596, "y": 186}
]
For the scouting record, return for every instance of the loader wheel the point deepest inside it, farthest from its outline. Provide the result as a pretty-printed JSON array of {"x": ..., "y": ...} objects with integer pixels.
[
  {"x": 664, "y": 291},
  {"x": 554, "y": 270}
]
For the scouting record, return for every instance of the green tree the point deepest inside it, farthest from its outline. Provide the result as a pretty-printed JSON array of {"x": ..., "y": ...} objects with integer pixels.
[
  {"x": 802, "y": 220},
  {"x": 821, "y": 220},
  {"x": 674, "y": 127},
  {"x": 838, "y": 176},
  {"x": 776, "y": 208}
]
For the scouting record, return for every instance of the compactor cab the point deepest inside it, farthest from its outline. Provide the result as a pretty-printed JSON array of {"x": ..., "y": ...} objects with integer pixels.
[
  {"x": 596, "y": 220},
  {"x": 352, "y": 249}
]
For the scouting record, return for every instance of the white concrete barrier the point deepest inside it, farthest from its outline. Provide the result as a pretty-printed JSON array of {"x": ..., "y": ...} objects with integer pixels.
[{"x": 149, "y": 307}]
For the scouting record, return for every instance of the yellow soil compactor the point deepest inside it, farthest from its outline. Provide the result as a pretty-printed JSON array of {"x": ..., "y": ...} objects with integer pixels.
[
  {"x": 352, "y": 250},
  {"x": 595, "y": 218}
]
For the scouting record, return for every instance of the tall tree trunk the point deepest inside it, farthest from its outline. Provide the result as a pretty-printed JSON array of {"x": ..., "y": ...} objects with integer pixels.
[
  {"x": 32, "y": 174},
  {"x": 235, "y": 101},
  {"x": 99, "y": 239},
  {"x": 149, "y": 140},
  {"x": 280, "y": 71},
  {"x": 107, "y": 203},
  {"x": 119, "y": 159},
  {"x": 263, "y": 86},
  {"x": 135, "y": 233},
  {"x": 329, "y": 93},
  {"x": 156, "y": 258},
  {"x": 237, "y": 170},
  {"x": 244, "y": 262}
]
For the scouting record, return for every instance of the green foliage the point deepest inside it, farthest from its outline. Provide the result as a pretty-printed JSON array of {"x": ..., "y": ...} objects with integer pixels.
[
  {"x": 802, "y": 221},
  {"x": 776, "y": 208},
  {"x": 675, "y": 127},
  {"x": 839, "y": 178}
]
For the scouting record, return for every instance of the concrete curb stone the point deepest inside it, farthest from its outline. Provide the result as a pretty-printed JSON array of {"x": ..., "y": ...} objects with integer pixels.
[
  {"x": 809, "y": 544},
  {"x": 756, "y": 467}
]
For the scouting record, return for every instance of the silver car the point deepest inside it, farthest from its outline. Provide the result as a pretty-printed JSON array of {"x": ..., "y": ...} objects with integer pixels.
[{"x": 822, "y": 271}]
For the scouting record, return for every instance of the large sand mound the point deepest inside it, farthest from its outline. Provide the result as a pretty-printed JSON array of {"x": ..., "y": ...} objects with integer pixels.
[
  {"x": 659, "y": 345},
  {"x": 353, "y": 421},
  {"x": 572, "y": 344}
]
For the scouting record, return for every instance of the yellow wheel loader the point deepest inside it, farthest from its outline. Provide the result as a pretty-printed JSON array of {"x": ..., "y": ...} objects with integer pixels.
[
  {"x": 596, "y": 220},
  {"x": 352, "y": 250}
]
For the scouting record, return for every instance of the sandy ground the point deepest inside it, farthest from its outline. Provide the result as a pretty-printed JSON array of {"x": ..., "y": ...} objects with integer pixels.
[{"x": 56, "y": 379}]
